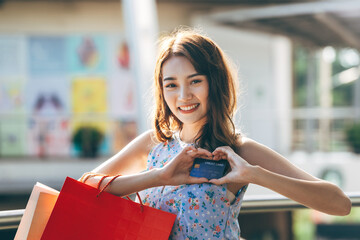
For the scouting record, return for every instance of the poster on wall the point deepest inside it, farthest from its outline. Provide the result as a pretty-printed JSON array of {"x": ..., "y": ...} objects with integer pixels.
[
  {"x": 122, "y": 96},
  {"x": 87, "y": 54},
  {"x": 84, "y": 126},
  {"x": 12, "y": 137},
  {"x": 88, "y": 95},
  {"x": 89, "y": 106},
  {"x": 46, "y": 55},
  {"x": 12, "y": 55},
  {"x": 12, "y": 95},
  {"x": 48, "y": 136},
  {"x": 48, "y": 96},
  {"x": 48, "y": 105}
]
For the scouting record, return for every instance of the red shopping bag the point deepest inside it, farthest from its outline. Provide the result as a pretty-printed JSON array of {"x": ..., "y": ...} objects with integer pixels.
[{"x": 82, "y": 213}]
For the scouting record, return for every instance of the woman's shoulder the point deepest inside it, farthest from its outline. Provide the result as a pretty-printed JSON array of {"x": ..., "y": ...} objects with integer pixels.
[
  {"x": 143, "y": 143},
  {"x": 147, "y": 140},
  {"x": 242, "y": 139},
  {"x": 246, "y": 143}
]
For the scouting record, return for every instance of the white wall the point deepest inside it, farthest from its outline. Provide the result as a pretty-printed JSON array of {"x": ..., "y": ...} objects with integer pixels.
[
  {"x": 81, "y": 16},
  {"x": 60, "y": 17}
]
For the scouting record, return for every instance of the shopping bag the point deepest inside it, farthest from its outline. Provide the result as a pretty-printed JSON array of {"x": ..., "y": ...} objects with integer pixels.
[
  {"x": 37, "y": 212},
  {"x": 81, "y": 212},
  {"x": 42, "y": 213}
]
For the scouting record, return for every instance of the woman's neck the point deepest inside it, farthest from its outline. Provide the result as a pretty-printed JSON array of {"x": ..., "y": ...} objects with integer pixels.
[{"x": 188, "y": 133}]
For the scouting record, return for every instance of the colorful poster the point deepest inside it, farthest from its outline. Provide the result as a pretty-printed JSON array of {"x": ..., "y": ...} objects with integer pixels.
[
  {"x": 89, "y": 105},
  {"x": 12, "y": 55},
  {"x": 121, "y": 97},
  {"x": 119, "y": 54},
  {"x": 97, "y": 122},
  {"x": 89, "y": 95},
  {"x": 12, "y": 95},
  {"x": 46, "y": 55},
  {"x": 48, "y": 136},
  {"x": 87, "y": 54},
  {"x": 48, "y": 96},
  {"x": 12, "y": 137}
]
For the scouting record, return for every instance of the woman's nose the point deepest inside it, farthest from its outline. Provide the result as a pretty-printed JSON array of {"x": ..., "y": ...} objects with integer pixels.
[{"x": 185, "y": 93}]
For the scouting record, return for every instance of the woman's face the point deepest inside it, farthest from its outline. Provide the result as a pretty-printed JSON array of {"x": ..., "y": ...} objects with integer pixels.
[{"x": 185, "y": 90}]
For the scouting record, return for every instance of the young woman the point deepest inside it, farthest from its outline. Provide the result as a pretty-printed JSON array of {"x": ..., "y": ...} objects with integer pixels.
[{"x": 195, "y": 91}]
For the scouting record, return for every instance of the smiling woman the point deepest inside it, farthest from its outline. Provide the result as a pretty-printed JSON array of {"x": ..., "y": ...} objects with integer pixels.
[{"x": 195, "y": 91}]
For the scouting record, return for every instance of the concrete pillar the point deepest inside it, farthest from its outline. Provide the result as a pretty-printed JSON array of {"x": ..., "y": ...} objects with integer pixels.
[
  {"x": 357, "y": 98},
  {"x": 325, "y": 81},
  {"x": 310, "y": 100},
  {"x": 282, "y": 65},
  {"x": 141, "y": 27}
]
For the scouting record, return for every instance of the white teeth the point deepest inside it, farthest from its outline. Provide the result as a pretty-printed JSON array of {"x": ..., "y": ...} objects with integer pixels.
[{"x": 187, "y": 108}]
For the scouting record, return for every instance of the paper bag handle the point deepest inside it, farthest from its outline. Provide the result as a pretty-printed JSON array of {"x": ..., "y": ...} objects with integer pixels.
[{"x": 85, "y": 177}]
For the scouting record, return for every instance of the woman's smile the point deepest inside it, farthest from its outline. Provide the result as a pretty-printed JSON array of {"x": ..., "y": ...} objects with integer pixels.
[{"x": 189, "y": 108}]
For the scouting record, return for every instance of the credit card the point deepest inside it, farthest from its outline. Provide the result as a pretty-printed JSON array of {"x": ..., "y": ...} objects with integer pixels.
[{"x": 209, "y": 169}]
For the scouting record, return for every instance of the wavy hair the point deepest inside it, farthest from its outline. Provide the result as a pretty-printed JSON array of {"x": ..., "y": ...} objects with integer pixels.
[{"x": 208, "y": 59}]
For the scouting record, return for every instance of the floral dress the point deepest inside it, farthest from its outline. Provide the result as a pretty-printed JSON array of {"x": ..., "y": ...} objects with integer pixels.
[{"x": 203, "y": 210}]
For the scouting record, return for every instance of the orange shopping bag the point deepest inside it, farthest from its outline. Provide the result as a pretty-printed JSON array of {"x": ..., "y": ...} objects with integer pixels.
[{"x": 37, "y": 212}]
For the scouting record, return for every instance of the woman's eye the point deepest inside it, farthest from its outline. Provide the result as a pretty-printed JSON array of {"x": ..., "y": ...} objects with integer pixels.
[
  {"x": 171, "y": 85},
  {"x": 195, "y": 81}
]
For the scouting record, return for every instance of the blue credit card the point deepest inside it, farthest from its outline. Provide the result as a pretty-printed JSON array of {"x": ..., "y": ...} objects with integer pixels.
[{"x": 209, "y": 169}]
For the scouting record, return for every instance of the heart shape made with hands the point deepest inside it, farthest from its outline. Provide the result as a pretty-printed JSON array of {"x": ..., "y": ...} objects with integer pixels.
[{"x": 209, "y": 165}]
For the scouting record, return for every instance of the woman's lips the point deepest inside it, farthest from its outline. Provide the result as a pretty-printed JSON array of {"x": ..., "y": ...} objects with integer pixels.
[{"x": 189, "y": 108}]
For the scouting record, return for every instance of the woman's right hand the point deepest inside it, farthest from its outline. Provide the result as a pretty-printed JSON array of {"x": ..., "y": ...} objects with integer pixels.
[
  {"x": 177, "y": 171},
  {"x": 239, "y": 172}
]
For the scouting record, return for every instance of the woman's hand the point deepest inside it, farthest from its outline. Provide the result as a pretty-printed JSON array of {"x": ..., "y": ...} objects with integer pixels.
[
  {"x": 239, "y": 172},
  {"x": 177, "y": 171}
]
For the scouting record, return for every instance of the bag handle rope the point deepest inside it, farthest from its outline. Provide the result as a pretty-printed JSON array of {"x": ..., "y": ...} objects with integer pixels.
[{"x": 88, "y": 175}]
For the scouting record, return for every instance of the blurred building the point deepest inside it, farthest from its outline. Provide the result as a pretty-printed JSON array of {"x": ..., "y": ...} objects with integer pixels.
[{"x": 66, "y": 65}]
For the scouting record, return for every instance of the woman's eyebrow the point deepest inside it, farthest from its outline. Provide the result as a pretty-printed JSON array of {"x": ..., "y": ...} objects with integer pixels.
[
  {"x": 168, "y": 79},
  {"x": 190, "y": 76},
  {"x": 195, "y": 74}
]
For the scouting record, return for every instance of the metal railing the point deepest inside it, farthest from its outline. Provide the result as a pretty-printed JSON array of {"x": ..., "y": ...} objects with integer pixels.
[
  {"x": 10, "y": 219},
  {"x": 278, "y": 203}
]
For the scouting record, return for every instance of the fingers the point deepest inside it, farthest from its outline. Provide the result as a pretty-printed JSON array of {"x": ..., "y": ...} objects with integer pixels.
[
  {"x": 204, "y": 152},
  {"x": 198, "y": 152},
  {"x": 195, "y": 180},
  {"x": 218, "y": 181},
  {"x": 224, "y": 150},
  {"x": 221, "y": 152},
  {"x": 219, "y": 156}
]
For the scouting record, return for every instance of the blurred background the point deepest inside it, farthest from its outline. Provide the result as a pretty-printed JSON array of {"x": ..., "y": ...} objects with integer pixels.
[{"x": 75, "y": 87}]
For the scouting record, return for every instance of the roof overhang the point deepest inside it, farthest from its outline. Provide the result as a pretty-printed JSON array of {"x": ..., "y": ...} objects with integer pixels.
[{"x": 316, "y": 24}]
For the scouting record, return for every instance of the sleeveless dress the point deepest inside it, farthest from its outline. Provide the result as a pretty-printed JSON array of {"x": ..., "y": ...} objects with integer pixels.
[{"x": 203, "y": 211}]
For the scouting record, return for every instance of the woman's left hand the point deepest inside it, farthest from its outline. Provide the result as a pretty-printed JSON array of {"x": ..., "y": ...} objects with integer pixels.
[
  {"x": 177, "y": 171},
  {"x": 239, "y": 172}
]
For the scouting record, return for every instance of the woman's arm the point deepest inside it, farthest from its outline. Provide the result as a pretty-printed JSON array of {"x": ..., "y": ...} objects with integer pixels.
[
  {"x": 131, "y": 159},
  {"x": 269, "y": 169},
  {"x": 176, "y": 172}
]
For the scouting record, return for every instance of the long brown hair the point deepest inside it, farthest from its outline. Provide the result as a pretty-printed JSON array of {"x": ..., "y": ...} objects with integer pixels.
[{"x": 208, "y": 59}]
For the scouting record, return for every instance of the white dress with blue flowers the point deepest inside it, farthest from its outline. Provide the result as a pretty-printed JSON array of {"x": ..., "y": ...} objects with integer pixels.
[{"x": 203, "y": 210}]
